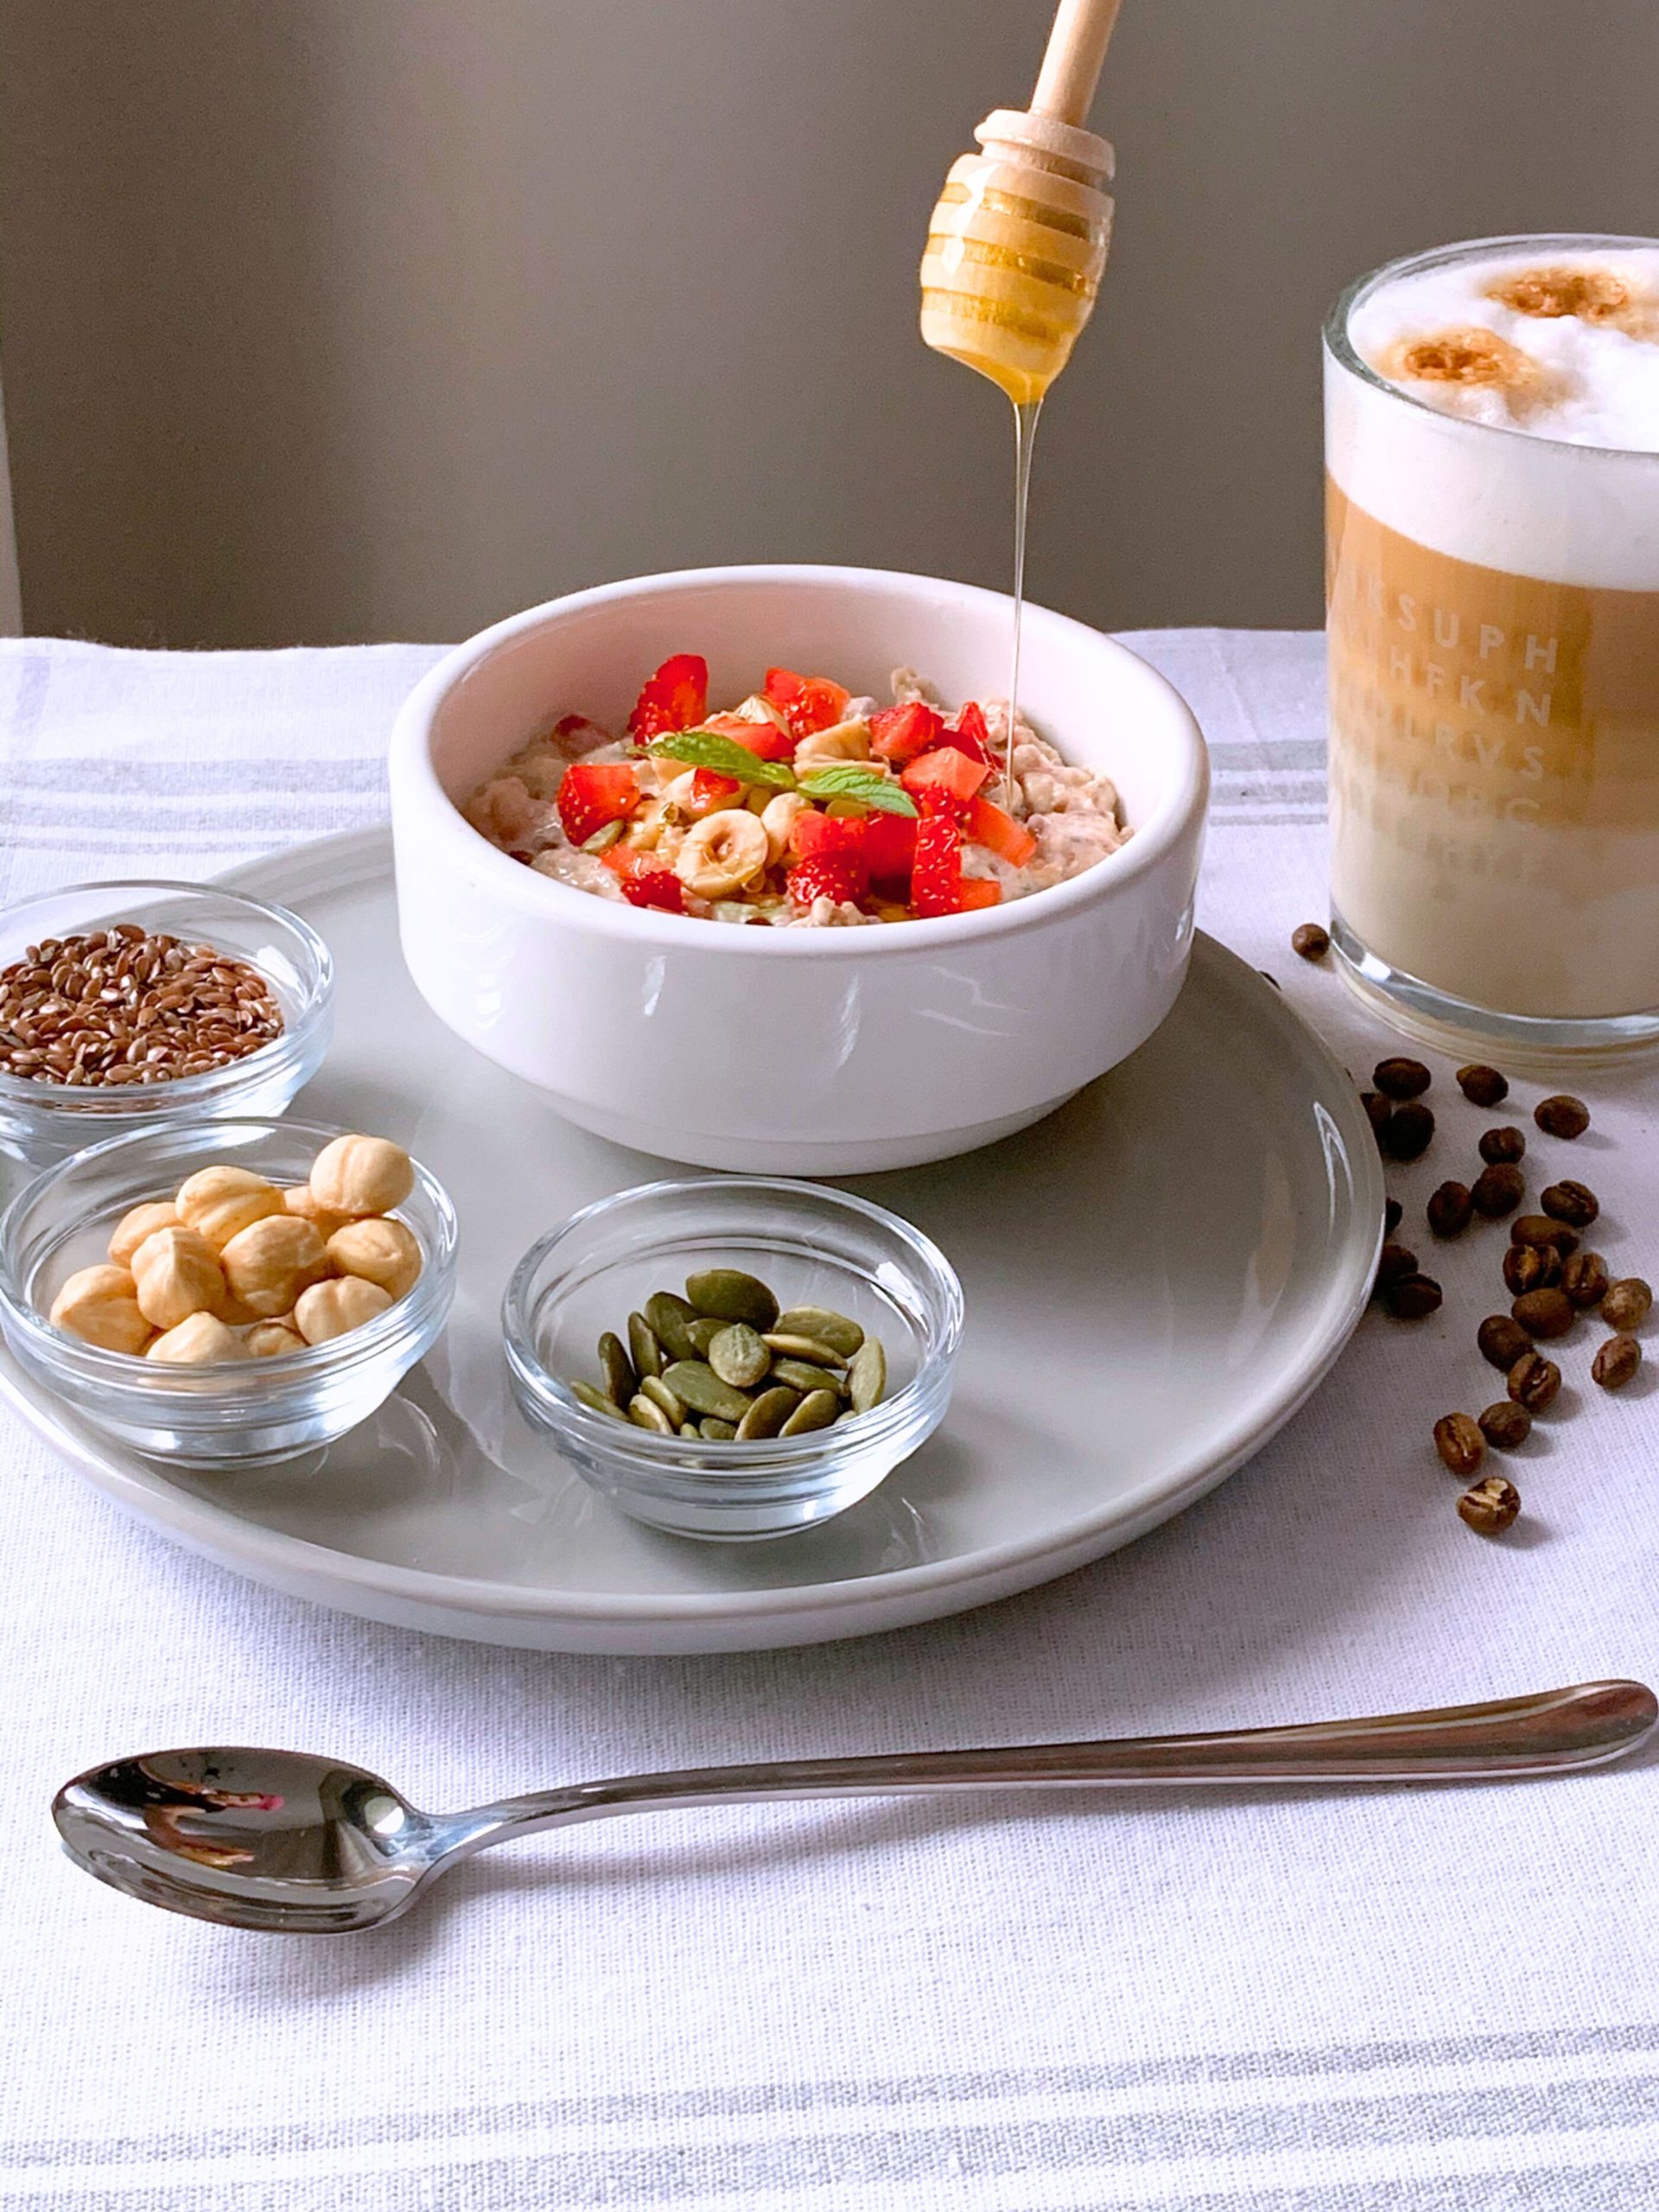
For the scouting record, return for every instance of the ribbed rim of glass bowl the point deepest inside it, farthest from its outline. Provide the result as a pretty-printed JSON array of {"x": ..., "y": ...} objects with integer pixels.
[
  {"x": 604, "y": 1432},
  {"x": 182, "y": 1093},
  {"x": 1152, "y": 838},
  {"x": 410, "y": 1320}
]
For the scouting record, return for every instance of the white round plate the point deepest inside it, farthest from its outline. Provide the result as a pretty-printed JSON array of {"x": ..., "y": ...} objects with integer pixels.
[{"x": 1156, "y": 1277}]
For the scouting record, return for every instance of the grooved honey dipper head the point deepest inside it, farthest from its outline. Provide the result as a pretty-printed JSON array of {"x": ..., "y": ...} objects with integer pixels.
[{"x": 1016, "y": 249}]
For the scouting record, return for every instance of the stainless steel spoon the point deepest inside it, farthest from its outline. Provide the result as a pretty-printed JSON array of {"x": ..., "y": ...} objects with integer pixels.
[{"x": 280, "y": 1839}]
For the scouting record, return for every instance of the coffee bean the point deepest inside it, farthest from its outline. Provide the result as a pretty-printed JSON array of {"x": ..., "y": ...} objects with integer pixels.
[
  {"x": 1459, "y": 1443},
  {"x": 1584, "y": 1276},
  {"x": 1408, "y": 1131},
  {"x": 1498, "y": 1190},
  {"x": 1530, "y": 1267},
  {"x": 1506, "y": 1425},
  {"x": 1561, "y": 1116},
  {"x": 1616, "y": 1361},
  {"x": 1545, "y": 1312},
  {"x": 1393, "y": 1263},
  {"x": 1379, "y": 1113},
  {"x": 1503, "y": 1144},
  {"x": 1400, "y": 1078},
  {"x": 1627, "y": 1303},
  {"x": 1481, "y": 1085},
  {"x": 1576, "y": 1204},
  {"x": 1451, "y": 1210},
  {"x": 1310, "y": 941},
  {"x": 1532, "y": 1382},
  {"x": 1539, "y": 1228},
  {"x": 1490, "y": 1506},
  {"x": 1414, "y": 1297},
  {"x": 1393, "y": 1215},
  {"x": 1503, "y": 1341}
]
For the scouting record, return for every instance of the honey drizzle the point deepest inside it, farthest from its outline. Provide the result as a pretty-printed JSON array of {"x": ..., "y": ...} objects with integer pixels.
[{"x": 1025, "y": 436}]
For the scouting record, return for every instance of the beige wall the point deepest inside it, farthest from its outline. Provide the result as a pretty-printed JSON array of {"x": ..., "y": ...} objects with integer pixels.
[{"x": 334, "y": 319}]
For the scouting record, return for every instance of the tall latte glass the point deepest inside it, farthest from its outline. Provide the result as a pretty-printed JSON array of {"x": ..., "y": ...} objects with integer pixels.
[{"x": 1492, "y": 586}]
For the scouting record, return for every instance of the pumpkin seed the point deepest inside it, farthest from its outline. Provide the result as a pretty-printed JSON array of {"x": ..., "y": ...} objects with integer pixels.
[
  {"x": 794, "y": 1347},
  {"x": 798, "y": 1375},
  {"x": 717, "y": 1432},
  {"x": 701, "y": 1332},
  {"x": 668, "y": 1316},
  {"x": 690, "y": 1429},
  {"x": 730, "y": 1295},
  {"x": 642, "y": 1347},
  {"x": 867, "y": 1378},
  {"x": 617, "y": 1369},
  {"x": 697, "y": 1382},
  {"x": 644, "y": 1413},
  {"x": 602, "y": 840},
  {"x": 738, "y": 1355},
  {"x": 654, "y": 1388},
  {"x": 768, "y": 1414},
  {"x": 596, "y": 1401},
  {"x": 816, "y": 1411},
  {"x": 843, "y": 1335}
]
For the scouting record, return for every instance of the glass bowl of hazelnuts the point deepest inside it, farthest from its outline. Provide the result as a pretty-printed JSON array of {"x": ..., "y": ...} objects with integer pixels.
[{"x": 229, "y": 1296}]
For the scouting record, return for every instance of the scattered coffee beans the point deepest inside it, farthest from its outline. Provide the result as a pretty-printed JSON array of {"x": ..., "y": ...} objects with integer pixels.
[
  {"x": 1490, "y": 1506},
  {"x": 1627, "y": 1304},
  {"x": 1545, "y": 1312},
  {"x": 1393, "y": 1214},
  {"x": 1561, "y": 1116},
  {"x": 1451, "y": 1210},
  {"x": 1530, "y": 1267},
  {"x": 1505, "y": 1426},
  {"x": 1503, "y": 1144},
  {"x": 1459, "y": 1443},
  {"x": 1498, "y": 1190},
  {"x": 1393, "y": 1263},
  {"x": 1413, "y": 1298},
  {"x": 1534, "y": 1382},
  {"x": 1616, "y": 1361},
  {"x": 1408, "y": 1131},
  {"x": 1539, "y": 1228},
  {"x": 1399, "y": 1078},
  {"x": 1379, "y": 1113},
  {"x": 1482, "y": 1086},
  {"x": 1584, "y": 1277},
  {"x": 1310, "y": 941},
  {"x": 1503, "y": 1341},
  {"x": 1576, "y": 1204}
]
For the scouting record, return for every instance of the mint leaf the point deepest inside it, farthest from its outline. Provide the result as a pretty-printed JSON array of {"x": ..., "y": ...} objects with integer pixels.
[
  {"x": 852, "y": 780},
  {"x": 706, "y": 748}
]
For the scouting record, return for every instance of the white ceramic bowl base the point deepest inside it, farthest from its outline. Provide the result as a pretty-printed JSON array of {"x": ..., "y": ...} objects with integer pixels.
[
  {"x": 796, "y": 1051},
  {"x": 1151, "y": 1292}
]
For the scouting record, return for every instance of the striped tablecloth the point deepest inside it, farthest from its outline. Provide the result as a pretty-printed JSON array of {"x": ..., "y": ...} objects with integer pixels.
[{"x": 1423, "y": 2000}]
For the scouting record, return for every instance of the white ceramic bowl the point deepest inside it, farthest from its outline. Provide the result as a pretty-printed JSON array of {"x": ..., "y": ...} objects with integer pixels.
[{"x": 795, "y": 1051}]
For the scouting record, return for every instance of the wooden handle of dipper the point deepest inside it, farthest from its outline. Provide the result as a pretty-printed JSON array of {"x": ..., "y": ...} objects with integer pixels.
[{"x": 1071, "y": 66}]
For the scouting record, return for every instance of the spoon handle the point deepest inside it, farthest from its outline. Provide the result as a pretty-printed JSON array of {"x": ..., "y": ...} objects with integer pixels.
[{"x": 1548, "y": 1732}]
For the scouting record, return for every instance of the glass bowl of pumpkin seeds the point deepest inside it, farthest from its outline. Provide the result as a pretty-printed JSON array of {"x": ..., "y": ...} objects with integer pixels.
[{"x": 733, "y": 1356}]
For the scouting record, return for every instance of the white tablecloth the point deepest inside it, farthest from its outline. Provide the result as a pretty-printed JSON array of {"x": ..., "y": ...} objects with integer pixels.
[{"x": 1434, "y": 1999}]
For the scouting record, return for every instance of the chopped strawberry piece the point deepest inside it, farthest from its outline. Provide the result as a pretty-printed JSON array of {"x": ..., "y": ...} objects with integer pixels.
[
  {"x": 935, "y": 879},
  {"x": 594, "y": 792},
  {"x": 809, "y": 703},
  {"x": 987, "y": 826},
  {"x": 945, "y": 769},
  {"x": 677, "y": 698},
  {"x": 898, "y": 734},
  {"x": 646, "y": 880},
  {"x": 980, "y": 891},
  {"x": 813, "y": 836},
  {"x": 764, "y": 740},
  {"x": 708, "y": 788},
  {"x": 840, "y": 876},
  {"x": 890, "y": 847},
  {"x": 969, "y": 733}
]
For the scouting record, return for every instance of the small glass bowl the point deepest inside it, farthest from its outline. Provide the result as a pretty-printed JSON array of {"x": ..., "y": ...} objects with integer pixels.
[
  {"x": 43, "y": 1121},
  {"x": 238, "y": 1413},
  {"x": 814, "y": 1247}
]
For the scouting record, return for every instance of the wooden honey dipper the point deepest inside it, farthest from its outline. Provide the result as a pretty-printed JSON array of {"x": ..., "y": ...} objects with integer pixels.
[{"x": 1018, "y": 242}]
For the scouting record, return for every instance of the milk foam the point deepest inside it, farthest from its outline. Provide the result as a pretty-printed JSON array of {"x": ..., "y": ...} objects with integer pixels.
[{"x": 1600, "y": 382}]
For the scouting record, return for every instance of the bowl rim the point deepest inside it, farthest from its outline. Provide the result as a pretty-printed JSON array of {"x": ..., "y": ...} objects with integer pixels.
[
  {"x": 414, "y": 781},
  {"x": 603, "y": 1432},
  {"x": 136, "y": 1101}
]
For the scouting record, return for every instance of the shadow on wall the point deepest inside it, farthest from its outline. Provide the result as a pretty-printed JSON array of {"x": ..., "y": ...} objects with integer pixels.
[{"x": 326, "y": 322}]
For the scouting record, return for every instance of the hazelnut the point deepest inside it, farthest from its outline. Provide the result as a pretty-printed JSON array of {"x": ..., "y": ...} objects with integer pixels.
[
  {"x": 268, "y": 1264},
  {"x": 268, "y": 1339},
  {"x": 101, "y": 1305},
  {"x": 218, "y": 1202},
  {"x": 360, "y": 1175},
  {"x": 201, "y": 1341},
  {"x": 333, "y": 1309},
  {"x": 379, "y": 1251},
  {"x": 301, "y": 1199},
  {"x": 143, "y": 1221},
  {"x": 177, "y": 1274}
]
